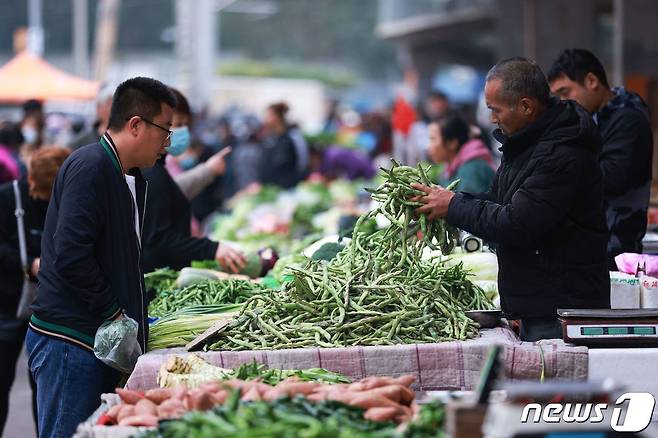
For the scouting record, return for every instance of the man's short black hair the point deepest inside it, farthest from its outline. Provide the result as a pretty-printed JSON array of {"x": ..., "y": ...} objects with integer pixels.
[
  {"x": 520, "y": 78},
  {"x": 139, "y": 97},
  {"x": 437, "y": 94},
  {"x": 575, "y": 64},
  {"x": 32, "y": 106}
]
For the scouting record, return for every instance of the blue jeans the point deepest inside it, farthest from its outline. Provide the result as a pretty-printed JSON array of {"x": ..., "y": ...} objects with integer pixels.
[{"x": 70, "y": 381}]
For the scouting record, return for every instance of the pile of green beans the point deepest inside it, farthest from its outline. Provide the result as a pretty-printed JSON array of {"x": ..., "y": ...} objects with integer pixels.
[
  {"x": 229, "y": 291},
  {"x": 377, "y": 291}
]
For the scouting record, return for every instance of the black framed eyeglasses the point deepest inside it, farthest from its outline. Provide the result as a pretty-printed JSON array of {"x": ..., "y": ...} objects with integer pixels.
[{"x": 169, "y": 132}]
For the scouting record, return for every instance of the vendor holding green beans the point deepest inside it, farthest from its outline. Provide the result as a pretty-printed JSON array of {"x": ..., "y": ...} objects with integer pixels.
[{"x": 544, "y": 212}]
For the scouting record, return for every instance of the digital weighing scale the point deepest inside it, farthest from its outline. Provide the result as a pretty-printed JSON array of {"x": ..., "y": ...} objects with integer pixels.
[{"x": 610, "y": 327}]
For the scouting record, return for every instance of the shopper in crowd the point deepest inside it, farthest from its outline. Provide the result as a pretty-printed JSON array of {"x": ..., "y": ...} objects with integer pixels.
[
  {"x": 167, "y": 236},
  {"x": 467, "y": 159},
  {"x": 544, "y": 211},
  {"x": 90, "y": 256},
  {"x": 301, "y": 148},
  {"x": 279, "y": 158},
  {"x": 627, "y": 152},
  {"x": 437, "y": 105},
  {"x": 34, "y": 191},
  {"x": 32, "y": 127},
  {"x": 337, "y": 162},
  {"x": 103, "y": 107},
  {"x": 11, "y": 139}
]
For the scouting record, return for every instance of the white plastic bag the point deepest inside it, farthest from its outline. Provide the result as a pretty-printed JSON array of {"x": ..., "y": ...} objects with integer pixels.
[
  {"x": 649, "y": 298},
  {"x": 116, "y": 344},
  {"x": 624, "y": 291}
]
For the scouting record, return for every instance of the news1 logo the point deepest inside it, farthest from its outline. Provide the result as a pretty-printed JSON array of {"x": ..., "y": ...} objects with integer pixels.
[{"x": 639, "y": 410}]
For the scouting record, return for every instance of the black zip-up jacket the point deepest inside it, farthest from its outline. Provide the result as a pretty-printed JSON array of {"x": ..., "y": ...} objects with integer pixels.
[
  {"x": 278, "y": 162},
  {"x": 626, "y": 162},
  {"x": 90, "y": 253},
  {"x": 545, "y": 215},
  {"x": 167, "y": 239},
  {"x": 34, "y": 216}
]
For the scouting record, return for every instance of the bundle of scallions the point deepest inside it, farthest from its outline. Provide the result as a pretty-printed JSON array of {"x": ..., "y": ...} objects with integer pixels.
[{"x": 179, "y": 328}]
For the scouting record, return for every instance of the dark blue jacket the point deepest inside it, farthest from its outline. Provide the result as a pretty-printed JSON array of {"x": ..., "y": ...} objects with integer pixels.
[
  {"x": 545, "y": 214},
  {"x": 626, "y": 160},
  {"x": 90, "y": 253}
]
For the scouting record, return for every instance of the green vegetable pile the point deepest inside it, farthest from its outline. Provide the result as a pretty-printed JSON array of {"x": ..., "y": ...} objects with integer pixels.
[
  {"x": 377, "y": 291},
  {"x": 229, "y": 291},
  {"x": 292, "y": 418},
  {"x": 274, "y": 376},
  {"x": 161, "y": 280}
]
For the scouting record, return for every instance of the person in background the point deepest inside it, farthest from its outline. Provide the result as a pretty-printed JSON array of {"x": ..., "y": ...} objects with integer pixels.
[
  {"x": 467, "y": 159},
  {"x": 279, "y": 158},
  {"x": 35, "y": 190},
  {"x": 627, "y": 154},
  {"x": 544, "y": 212},
  {"x": 302, "y": 149},
  {"x": 32, "y": 127},
  {"x": 91, "y": 254},
  {"x": 167, "y": 236},
  {"x": 103, "y": 107},
  {"x": 11, "y": 140},
  {"x": 337, "y": 162},
  {"x": 437, "y": 105}
]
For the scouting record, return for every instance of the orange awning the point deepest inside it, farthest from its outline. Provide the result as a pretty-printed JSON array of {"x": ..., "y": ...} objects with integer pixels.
[{"x": 28, "y": 76}]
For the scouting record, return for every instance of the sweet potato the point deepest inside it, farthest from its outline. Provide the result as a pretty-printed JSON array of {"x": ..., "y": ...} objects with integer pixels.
[
  {"x": 146, "y": 407},
  {"x": 199, "y": 400},
  {"x": 252, "y": 395},
  {"x": 296, "y": 388},
  {"x": 396, "y": 393},
  {"x": 140, "y": 420},
  {"x": 179, "y": 392},
  {"x": 406, "y": 380},
  {"x": 114, "y": 411},
  {"x": 172, "y": 408},
  {"x": 381, "y": 414},
  {"x": 210, "y": 386},
  {"x": 158, "y": 395},
  {"x": 219, "y": 397},
  {"x": 128, "y": 396},
  {"x": 125, "y": 411},
  {"x": 367, "y": 401}
]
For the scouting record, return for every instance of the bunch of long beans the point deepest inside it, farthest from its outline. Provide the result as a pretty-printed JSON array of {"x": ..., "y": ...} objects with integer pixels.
[
  {"x": 228, "y": 291},
  {"x": 377, "y": 291}
]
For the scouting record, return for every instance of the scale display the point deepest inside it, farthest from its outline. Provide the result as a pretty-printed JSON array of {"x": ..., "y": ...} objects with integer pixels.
[{"x": 575, "y": 331}]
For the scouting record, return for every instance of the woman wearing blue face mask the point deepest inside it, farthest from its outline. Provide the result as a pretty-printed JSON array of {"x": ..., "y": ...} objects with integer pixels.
[{"x": 167, "y": 235}]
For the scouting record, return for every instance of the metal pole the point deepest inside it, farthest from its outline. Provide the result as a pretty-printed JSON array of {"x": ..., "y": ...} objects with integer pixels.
[
  {"x": 618, "y": 44},
  {"x": 35, "y": 27},
  {"x": 80, "y": 37},
  {"x": 530, "y": 29},
  {"x": 106, "y": 36}
]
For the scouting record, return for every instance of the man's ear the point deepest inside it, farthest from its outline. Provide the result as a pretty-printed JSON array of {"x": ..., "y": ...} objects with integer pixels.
[
  {"x": 133, "y": 124},
  {"x": 591, "y": 82},
  {"x": 527, "y": 106}
]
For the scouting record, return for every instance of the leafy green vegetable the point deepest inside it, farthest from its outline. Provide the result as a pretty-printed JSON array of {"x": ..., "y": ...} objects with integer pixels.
[
  {"x": 429, "y": 423},
  {"x": 161, "y": 280},
  {"x": 273, "y": 376},
  {"x": 327, "y": 251},
  {"x": 285, "y": 263},
  {"x": 289, "y": 418}
]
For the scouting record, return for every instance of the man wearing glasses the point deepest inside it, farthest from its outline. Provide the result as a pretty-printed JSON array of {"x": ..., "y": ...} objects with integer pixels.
[{"x": 91, "y": 253}]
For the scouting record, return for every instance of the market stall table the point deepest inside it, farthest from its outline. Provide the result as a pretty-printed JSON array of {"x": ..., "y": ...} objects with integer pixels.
[{"x": 439, "y": 366}]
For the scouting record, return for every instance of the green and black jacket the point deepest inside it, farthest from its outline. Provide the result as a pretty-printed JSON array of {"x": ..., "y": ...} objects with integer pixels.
[{"x": 90, "y": 253}]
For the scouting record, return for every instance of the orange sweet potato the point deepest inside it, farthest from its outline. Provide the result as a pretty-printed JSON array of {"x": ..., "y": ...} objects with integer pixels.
[
  {"x": 128, "y": 396},
  {"x": 158, "y": 395}
]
